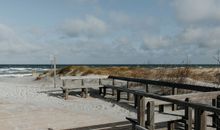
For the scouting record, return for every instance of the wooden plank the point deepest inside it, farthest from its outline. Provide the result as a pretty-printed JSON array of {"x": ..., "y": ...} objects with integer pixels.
[
  {"x": 167, "y": 99},
  {"x": 169, "y": 84},
  {"x": 84, "y": 77},
  {"x": 141, "y": 111},
  {"x": 150, "y": 115}
]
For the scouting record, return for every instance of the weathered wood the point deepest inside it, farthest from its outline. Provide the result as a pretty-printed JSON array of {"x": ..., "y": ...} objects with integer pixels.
[
  {"x": 118, "y": 95},
  {"x": 66, "y": 93},
  {"x": 64, "y": 83},
  {"x": 113, "y": 84},
  {"x": 128, "y": 94},
  {"x": 161, "y": 108},
  {"x": 86, "y": 92},
  {"x": 150, "y": 116},
  {"x": 168, "y": 99},
  {"x": 84, "y": 77},
  {"x": 169, "y": 84},
  {"x": 147, "y": 88},
  {"x": 188, "y": 116},
  {"x": 100, "y": 81},
  {"x": 171, "y": 125},
  {"x": 141, "y": 111},
  {"x": 100, "y": 90},
  {"x": 82, "y": 82},
  {"x": 174, "y": 92},
  {"x": 200, "y": 119},
  {"x": 135, "y": 100}
]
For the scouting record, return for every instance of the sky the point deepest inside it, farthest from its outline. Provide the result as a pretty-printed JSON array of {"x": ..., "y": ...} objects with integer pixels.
[{"x": 109, "y": 31}]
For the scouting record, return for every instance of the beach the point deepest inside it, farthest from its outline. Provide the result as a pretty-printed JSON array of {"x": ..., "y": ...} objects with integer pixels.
[{"x": 26, "y": 105}]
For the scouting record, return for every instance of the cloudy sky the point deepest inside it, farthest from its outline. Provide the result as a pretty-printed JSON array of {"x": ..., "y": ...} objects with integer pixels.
[{"x": 109, "y": 31}]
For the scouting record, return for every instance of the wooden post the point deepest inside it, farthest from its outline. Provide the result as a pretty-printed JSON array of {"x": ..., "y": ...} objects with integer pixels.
[
  {"x": 128, "y": 94},
  {"x": 147, "y": 88},
  {"x": 104, "y": 91},
  {"x": 218, "y": 114},
  {"x": 118, "y": 95},
  {"x": 214, "y": 104},
  {"x": 174, "y": 92},
  {"x": 171, "y": 125},
  {"x": 150, "y": 115},
  {"x": 66, "y": 93},
  {"x": 100, "y": 90},
  {"x": 83, "y": 93},
  {"x": 82, "y": 82},
  {"x": 200, "y": 119},
  {"x": 64, "y": 83},
  {"x": 113, "y": 84},
  {"x": 161, "y": 108},
  {"x": 135, "y": 101},
  {"x": 86, "y": 92},
  {"x": 141, "y": 111},
  {"x": 188, "y": 116},
  {"x": 100, "y": 82}
]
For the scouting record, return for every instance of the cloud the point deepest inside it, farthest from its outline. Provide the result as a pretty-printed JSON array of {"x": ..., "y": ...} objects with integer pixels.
[
  {"x": 89, "y": 27},
  {"x": 155, "y": 42},
  {"x": 194, "y": 11},
  {"x": 11, "y": 43}
]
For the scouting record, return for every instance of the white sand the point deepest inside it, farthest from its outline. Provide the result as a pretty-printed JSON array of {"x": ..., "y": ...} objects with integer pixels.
[{"x": 22, "y": 107}]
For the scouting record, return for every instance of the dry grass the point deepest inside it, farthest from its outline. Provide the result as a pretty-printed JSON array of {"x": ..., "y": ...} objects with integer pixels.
[{"x": 178, "y": 75}]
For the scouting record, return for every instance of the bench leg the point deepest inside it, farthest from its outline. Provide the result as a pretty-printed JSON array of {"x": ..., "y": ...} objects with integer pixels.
[
  {"x": 100, "y": 90},
  {"x": 171, "y": 125},
  {"x": 66, "y": 93}
]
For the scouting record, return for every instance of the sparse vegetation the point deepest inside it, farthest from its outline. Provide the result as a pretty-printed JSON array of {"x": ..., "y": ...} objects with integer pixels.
[{"x": 179, "y": 74}]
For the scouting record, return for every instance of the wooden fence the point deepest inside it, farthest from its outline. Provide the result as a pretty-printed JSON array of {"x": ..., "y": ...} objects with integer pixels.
[{"x": 200, "y": 110}]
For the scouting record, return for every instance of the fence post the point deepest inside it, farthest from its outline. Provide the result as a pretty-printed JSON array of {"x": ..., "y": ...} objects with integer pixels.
[
  {"x": 200, "y": 119},
  {"x": 174, "y": 92},
  {"x": 118, "y": 95},
  {"x": 147, "y": 88},
  {"x": 218, "y": 114},
  {"x": 141, "y": 110},
  {"x": 188, "y": 116},
  {"x": 128, "y": 94},
  {"x": 150, "y": 115},
  {"x": 113, "y": 84}
]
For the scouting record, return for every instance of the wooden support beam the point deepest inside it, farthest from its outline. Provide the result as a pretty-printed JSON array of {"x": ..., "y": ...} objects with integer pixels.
[
  {"x": 200, "y": 119},
  {"x": 104, "y": 91},
  {"x": 128, "y": 94},
  {"x": 100, "y": 81},
  {"x": 100, "y": 90},
  {"x": 174, "y": 92},
  {"x": 150, "y": 115},
  {"x": 147, "y": 88},
  {"x": 188, "y": 116},
  {"x": 118, "y": 95},
  {"x": 141, "y": 110},
  {"x": 66, "y": 93},
  {"x": 161, "y": 108},
  {"x": 135, "y": 101},
  {"x": 64, "y": 83},
  {"x": 171, "y": 125},
  {"x": 113, "y": 84}
]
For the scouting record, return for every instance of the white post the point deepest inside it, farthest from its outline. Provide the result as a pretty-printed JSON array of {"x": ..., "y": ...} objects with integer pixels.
[{"x": 54, "y": 76}]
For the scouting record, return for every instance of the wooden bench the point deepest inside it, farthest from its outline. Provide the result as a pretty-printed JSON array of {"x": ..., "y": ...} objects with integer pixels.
[{"x": 84, "y": 87}]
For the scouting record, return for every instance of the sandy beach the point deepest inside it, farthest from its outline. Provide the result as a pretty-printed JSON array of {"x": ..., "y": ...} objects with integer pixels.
[{"x": 25, "y": 105}]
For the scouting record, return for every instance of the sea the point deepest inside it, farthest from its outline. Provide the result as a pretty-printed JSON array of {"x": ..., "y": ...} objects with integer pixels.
[{"x": 22, "y": 70}]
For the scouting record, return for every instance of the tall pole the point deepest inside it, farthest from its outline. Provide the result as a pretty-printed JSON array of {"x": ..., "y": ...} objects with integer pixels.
[{"x": 54, "y": 73}]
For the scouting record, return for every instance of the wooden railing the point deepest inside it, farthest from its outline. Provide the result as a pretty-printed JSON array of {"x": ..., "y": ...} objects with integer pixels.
[{"x": 200, "y": 110}]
